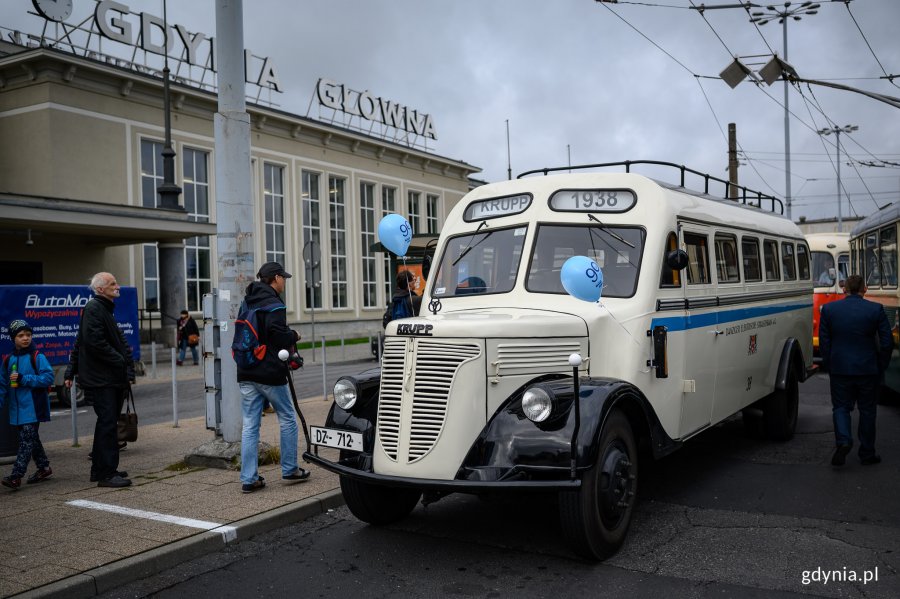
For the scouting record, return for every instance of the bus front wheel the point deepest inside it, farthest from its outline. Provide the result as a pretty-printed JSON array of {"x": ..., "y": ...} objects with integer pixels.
[
  {"x": 595, "y": 518},
  {"x": 376, "y": 504}
]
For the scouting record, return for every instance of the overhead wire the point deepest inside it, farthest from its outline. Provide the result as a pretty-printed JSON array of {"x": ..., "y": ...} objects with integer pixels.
[{"x": 890, "y": 78}]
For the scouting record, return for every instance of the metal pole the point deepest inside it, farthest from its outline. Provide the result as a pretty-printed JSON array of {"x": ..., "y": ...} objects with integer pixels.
[
  {"x": 235, "y": 218},
  {"x": 174, "y": 390},
  {"x": 787, "y": 131},
  {"x": 508, "y": 159},
  {"x": 837, "y": 132},
  {"x": 153, "y": 359},
  {"x": 73, "y": 399},
  {"x": 324, "y": 384}
]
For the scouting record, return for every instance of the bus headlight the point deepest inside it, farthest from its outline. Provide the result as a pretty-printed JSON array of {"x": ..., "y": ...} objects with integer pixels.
[
  {"x": 345, "y": 394},
  {"x": 537, "y": 404}
]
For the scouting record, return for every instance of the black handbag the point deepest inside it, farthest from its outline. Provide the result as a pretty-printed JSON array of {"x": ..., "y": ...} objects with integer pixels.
[{"x": 128, "y": 420}]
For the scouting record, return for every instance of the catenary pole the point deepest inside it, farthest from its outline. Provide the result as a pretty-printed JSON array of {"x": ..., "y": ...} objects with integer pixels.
[{"x": 234, "y": 207}]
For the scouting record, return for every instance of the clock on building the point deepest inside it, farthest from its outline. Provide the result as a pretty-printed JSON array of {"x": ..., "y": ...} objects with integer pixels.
[{"x": 53, "y": 10}]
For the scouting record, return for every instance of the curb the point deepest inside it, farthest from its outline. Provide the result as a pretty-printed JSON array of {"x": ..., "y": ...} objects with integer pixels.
[{"x": 111, "y": 576}]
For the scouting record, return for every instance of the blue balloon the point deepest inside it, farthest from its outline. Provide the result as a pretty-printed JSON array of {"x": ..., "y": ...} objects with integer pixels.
[
  {"x": 582, "y": 278},
  {"x": 395, "y": 233}
]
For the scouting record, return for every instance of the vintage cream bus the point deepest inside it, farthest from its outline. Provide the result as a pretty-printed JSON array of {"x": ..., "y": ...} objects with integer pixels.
[{"x": 706, "y": 310}]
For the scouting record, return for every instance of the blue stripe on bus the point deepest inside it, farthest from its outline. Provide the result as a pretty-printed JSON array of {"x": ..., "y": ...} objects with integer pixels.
[{"x": 697, "y": 321}]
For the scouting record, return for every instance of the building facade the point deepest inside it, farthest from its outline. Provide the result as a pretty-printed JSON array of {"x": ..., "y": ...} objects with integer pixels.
[{"x": 80, "y": 166}]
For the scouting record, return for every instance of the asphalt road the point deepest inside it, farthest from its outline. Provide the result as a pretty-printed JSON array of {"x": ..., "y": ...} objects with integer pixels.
[
  {"x": 153, "y": 399},
  {"x": 728, "y": 515}
]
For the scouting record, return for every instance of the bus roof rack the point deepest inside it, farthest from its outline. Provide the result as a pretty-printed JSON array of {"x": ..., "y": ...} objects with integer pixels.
[{"x": 744, "y": 195}]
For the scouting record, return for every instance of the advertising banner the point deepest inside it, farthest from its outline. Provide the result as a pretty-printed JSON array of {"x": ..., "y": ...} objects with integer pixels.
[{"x": 54, "y": 312}]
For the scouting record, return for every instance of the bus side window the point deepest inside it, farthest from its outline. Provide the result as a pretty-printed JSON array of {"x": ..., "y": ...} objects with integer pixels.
[
  {"x": 670, "y": 277},
  {"x": 803, "y": 261},
  {"x": 726, "y": 259},
  {"x": 698, "y": 258},
  {"x": 843, "y": 268},
  {"x": 888, "y": 255},
  {"x": 770, "y": 255},
  {"x": 750, "y": 251},
  {"x": 788, "y": 261}
]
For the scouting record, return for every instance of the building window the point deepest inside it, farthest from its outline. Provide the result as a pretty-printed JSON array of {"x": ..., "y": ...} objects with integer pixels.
[
  {"x": 413, "y": 210},
  {"x": 196, "y": 249},
  {"x": 151, "y": 172},
  {"x": 388, "y": 206},
  {"x": 367, "y": 233},
  {"x": 431, "y": 214},
  {"x": 312, "y": 234},
  {"x": 273, "y": 199},
  {"x": 151, "y": 277},
  {"x": 338, "y": 232}
]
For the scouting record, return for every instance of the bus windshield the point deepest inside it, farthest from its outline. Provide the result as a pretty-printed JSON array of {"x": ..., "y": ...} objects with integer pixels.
[
  {"x": 617, "y": 250},
  {"x": 486, "y": 261}
]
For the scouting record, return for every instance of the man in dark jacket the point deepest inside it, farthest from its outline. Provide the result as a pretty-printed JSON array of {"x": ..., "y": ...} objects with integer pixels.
[
  {"x": 856, "y": 344},
  {"x": 268, "y": 379},
  {"x": 102, "y": 362}
]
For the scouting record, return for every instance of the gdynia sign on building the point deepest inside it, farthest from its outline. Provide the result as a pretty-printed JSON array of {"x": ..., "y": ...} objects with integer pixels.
[{"x": 115, "y": 21}]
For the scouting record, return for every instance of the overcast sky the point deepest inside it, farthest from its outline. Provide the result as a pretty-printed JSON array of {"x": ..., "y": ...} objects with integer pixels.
[{"x": 603, "y": 82}]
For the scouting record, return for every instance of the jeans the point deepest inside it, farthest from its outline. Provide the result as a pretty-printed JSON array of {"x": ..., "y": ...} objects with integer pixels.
[
  {"x": 863, "y": 392},
  {"x": 30, "y": 447},
  {"x": 183, "y": 345},
  {"x": 107, "y": 405},
  {"x": 252, "y": 395}
]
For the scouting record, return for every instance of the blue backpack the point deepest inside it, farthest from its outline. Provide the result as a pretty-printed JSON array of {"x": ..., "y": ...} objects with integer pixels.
[
  {"x": 246, "y": 348},
  {"x": 400, "y": 307}
]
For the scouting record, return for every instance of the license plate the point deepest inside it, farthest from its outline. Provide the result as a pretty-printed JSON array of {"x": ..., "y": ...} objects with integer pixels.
[{"x": 330, "y": 437}]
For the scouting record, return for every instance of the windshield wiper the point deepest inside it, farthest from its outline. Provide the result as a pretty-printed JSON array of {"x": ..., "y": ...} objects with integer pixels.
[
  {"x": 469, "y": 245},
  {"x": 614, "y": 235}
]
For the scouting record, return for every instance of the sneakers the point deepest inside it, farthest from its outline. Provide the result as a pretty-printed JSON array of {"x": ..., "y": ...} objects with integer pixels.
[
  {"x": 840, "y": 455},
  {"x": 120, "y": 473},
  {"x": 115, "y": 482},
  {"x": 11, "y": 482},
  {"x": 871, "y": 460},
  {"x": 254, "y": 486},
  {"x": 299, "y": 475},
  {"x": 179, "y": 363},
  {"x": 40, "y": 475}
]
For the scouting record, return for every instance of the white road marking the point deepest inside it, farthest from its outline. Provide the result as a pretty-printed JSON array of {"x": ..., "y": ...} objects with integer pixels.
[
  {"x": 65, "y": 412},
  {"x": 229, "y": 533}
]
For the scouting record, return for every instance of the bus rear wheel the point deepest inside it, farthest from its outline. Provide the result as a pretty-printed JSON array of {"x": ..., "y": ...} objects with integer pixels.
[
  {"x": 64, "y": 395},
  {"x": 596, "y": 517},
  {"x": 376, "y": 504},
  {"x": 780, "y": 409}
]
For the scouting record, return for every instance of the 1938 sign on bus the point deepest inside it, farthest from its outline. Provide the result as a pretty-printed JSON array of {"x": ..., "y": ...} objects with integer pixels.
[{"x": 508, "y": 383}]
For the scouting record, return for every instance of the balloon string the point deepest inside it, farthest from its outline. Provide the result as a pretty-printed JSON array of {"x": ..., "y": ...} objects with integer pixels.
[{"x": 409, "y": 291}]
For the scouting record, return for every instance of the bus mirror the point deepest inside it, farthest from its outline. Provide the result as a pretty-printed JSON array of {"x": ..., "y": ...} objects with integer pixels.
[
  {"x": 677, "y": 259},
  {"x": 426, "y": 266}
]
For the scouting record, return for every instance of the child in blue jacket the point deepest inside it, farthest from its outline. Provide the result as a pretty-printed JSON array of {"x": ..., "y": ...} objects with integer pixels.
[{"x": 24, "y": 379}]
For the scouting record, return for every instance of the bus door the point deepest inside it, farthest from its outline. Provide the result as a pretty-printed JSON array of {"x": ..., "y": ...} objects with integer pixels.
[{"x": 701, "y": 333}]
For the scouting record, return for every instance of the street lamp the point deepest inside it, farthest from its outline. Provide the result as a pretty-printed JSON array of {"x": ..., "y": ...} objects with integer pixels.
[
  {"x": 783, "y": 15},
  {"x": 837, "y": 132}
]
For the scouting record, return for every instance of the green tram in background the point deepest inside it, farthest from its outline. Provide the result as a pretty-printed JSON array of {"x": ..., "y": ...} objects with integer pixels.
[{"x": 873, "y": 254}]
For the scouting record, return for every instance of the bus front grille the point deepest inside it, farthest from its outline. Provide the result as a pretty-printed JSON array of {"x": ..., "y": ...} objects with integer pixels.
[{"x": 417, "y": 374}]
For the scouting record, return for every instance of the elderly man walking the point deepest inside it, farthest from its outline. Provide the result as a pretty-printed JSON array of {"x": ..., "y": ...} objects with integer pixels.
[
  {"x": 103, "y": 364},
  {"x": 856, "y": 344}
]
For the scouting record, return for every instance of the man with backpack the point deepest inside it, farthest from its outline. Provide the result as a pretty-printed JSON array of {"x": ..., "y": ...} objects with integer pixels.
[
  {"x": 261, "y": 332},
  {"x": 404, "y": 303}
]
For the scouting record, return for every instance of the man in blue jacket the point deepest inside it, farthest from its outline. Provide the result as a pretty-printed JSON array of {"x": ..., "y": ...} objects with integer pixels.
[{"x": 856, "y": 344}]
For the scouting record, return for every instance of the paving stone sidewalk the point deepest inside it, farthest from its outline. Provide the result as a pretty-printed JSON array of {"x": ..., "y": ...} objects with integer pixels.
[{"x": 50, "y": 546}]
